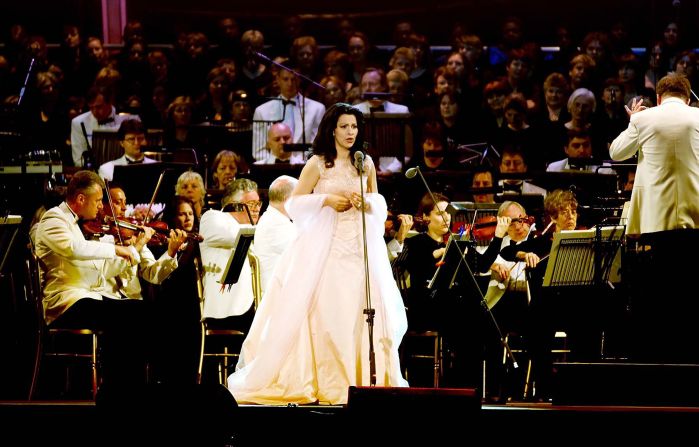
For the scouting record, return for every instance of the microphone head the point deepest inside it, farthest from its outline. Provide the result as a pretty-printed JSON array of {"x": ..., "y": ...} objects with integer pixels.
[
  {"x": 359, "y": 160},
  {"x": 412, "y": 172}
]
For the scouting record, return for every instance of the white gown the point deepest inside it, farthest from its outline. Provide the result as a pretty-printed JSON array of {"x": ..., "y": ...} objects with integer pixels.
[{"x": 309, "y": 340}]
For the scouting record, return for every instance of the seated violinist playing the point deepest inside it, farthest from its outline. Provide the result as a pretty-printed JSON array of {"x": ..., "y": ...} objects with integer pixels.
[
  {"x": 127, "y": 284},
  {"x": 444, "y": 309}
]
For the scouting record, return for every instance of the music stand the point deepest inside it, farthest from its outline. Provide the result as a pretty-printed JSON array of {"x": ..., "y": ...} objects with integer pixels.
[
  {"x": 451, "y": 265},
  {"x": 209, "y": 139},
  {"x": 476, "y": 154},
  {"x": 583, "y": 257},
  {"x": 239, "y": 256},
  {"x": 9, "y": 230},
  {"x": 388, "y": 135},
  {"x": 586, "y": 185}
]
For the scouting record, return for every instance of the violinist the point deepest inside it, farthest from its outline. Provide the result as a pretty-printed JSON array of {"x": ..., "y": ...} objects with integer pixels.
[
  {"x": 507, "y": 288},
  {"x": 74, "y": 271},
  {"x": 228, "y": 307},
  {"x": 546, "y": 313},
  {"x": 179, "y": 302},
  {"x": 444, "y": 309},
  {"x": 127, "y": 284}
]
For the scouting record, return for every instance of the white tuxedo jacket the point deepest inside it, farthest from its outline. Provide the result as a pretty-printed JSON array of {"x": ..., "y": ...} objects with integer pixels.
[
  {"x": 219, "y": 231},
  {"x": 72, "y": 268},
  {"x": 665, "y": 193}
]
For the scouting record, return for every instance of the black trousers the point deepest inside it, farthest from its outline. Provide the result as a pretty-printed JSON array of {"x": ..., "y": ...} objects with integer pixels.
[
  {"x": 664, "y": 299},
  {"x": 128, "y": 337}
]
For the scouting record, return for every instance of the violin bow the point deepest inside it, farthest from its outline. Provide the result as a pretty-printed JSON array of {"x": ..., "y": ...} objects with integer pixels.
[
  {"x": 155, "y": 193},
  {"x": 111, "y": 207}
]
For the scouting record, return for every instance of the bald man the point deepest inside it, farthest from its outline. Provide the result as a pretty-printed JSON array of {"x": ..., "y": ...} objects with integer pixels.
[{"x": 278, "y": 135}]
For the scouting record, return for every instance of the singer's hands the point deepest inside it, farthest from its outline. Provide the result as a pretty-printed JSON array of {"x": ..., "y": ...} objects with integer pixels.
[
  {"x": 356, "y": 200},
  {"x": 337, "y": 202}
]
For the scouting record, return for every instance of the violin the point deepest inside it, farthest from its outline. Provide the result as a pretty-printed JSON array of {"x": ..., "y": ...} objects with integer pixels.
[
  {"x": 124, "y": 230},
  {"x": 484, "y": 227},
  {"x": 161, "y": 229}
]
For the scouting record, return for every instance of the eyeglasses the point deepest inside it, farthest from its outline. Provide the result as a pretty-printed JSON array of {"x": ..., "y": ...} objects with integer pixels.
[
  {"x": 253, "y": 204},
  {"x": 132, "y": 140}
]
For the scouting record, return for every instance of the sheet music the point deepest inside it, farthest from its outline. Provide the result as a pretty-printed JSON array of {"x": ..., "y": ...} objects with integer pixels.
[{"x": 572, "y": 258}]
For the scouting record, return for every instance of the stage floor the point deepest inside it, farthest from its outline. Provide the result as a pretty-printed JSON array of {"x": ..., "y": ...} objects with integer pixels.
[{"x": 78, "y": 423}]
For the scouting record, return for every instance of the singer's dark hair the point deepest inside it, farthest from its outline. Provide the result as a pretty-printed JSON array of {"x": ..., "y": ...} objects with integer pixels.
[{"x": 324, "y": 142}]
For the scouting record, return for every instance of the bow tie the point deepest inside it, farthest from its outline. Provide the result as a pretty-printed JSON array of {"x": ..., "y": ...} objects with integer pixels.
[
  {"x": 512, "y": 186},
  {"x": 513, "y": 242},
  {"x": 286, "y": 102},
  {"x": 106, "y": 121},
  {"x": 377, "y": 109},
  {"x": 280, "y": 161},
  {"x": 134, "y": 162}
]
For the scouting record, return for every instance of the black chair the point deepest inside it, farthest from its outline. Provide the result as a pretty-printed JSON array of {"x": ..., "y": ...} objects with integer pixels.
[{"x": 58, "y": 342}]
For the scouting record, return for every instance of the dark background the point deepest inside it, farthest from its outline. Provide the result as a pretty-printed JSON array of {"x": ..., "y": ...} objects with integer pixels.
[{"x": 164, "y": 18}]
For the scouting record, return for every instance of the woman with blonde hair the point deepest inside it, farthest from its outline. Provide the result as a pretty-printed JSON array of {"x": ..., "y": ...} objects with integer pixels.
[{"x": 191, "y": 185}]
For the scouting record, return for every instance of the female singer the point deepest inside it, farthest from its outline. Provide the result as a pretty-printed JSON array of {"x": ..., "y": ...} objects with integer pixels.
[{"x": 309, "y": 339}]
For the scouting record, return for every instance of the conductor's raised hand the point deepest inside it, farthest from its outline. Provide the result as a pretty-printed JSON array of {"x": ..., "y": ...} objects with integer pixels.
[
  {"x": 636, "y": 106},
  {"x": 337, "y": 202}
]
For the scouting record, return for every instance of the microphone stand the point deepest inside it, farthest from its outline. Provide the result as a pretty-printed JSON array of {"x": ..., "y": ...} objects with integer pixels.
[
  {"x": 410, "y": 173},
  {"x": 369, "y": 310}
]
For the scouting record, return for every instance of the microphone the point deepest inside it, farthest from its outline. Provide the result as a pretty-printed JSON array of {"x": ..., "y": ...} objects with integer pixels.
[
  {"x": 412, "y": 172},
  {"x": 359, "y": 161}
]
